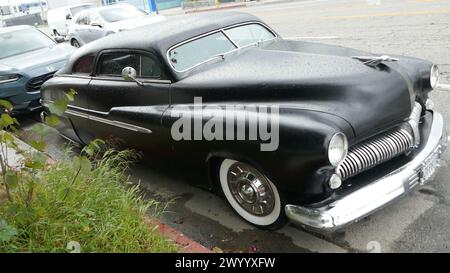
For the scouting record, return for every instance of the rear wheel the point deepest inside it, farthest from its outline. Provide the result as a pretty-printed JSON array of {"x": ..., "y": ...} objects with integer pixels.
[
  {"x": 251, "y": 194},
  {"x": 75, "y": 43}
]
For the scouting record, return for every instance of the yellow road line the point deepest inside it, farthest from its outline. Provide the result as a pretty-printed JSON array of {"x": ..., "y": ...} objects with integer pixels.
[{"x": 390, "y": 14}]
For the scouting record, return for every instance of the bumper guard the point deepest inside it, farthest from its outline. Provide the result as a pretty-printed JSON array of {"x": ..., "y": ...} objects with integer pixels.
[{"x": 362, "y": 202}]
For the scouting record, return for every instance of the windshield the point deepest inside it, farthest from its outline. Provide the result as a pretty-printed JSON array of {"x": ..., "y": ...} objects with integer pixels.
[
  {"x": 76, "y": 10},
  {"x": 120, "y": 13},
  {"x": 195, "y": 52},
  {"x": 21, "y": 41}
]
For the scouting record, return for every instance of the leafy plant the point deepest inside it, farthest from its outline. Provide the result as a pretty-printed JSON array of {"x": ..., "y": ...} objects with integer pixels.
[
  {"x": 7, "y": 232},
  {"x": 83, "y": 200}
]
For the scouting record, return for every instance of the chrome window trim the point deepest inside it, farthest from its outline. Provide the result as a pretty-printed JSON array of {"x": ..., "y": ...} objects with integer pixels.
[
  {"x": 97, "y": 64},
  {"x": 78, "y": 76},
  {"x": 222, "y": 30},
  {"x": 119, "y": 78}
]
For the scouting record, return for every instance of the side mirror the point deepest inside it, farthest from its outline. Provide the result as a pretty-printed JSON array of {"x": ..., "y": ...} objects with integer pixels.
[
  {"x": 97, "y": 24},
  {"x": 68, "y": 17},
  {"x": 129, "y": 74},
  {"x": 59, "y": 39}
]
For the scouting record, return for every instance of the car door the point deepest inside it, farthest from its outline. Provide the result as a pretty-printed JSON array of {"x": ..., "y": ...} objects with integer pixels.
[
  {"x": 75, "y": 122},
  {"x": 95, "y": 28},
  {"x": 81, "y": 28},
  {"x": 126, "y": 112}
]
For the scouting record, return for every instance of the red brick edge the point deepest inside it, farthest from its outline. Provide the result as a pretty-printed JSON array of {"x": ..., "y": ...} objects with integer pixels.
[{"x": 188, "y": 245}]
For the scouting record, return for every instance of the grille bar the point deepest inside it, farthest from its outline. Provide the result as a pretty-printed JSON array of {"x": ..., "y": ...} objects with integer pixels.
[
  {"x": 35, "y": 83},
  {"x": 375, "y": 151},
  {"x": 383, "y": 147}
]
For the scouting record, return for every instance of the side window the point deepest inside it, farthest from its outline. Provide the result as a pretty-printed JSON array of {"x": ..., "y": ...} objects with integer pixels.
[
  {"x": 79, "y": 19},
  {"x": 93, "y": 18},
  {"x": 83, "y": 65},
  {"x": 112, "y": 64},
  {"x": 83, "y": 19},
  {"x": 87, "y": 19}
]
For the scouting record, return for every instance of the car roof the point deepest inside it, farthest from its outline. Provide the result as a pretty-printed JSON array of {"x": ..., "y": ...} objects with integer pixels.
[
  {"x": 14, "y": 28},
  {"x": 159, "y": 37}
]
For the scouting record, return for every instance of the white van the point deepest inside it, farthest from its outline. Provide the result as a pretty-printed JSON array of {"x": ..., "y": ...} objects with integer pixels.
[{"x": 59, "y": 19}]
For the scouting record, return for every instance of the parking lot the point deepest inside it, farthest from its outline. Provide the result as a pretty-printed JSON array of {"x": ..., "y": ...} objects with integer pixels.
[{"x": 420, "y": 222}]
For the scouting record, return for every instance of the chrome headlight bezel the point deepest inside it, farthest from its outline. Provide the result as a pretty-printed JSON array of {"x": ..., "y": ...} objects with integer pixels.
[
  {"x": 434, "y": 76},
  {"x": 337, "y": 149},
  {"x": 9, "y": 78}
]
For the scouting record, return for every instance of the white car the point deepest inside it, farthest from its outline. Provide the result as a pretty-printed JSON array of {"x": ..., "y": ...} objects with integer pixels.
[
  {"x": 59, "y": 19},
  {"x": 97, "y": 23}
]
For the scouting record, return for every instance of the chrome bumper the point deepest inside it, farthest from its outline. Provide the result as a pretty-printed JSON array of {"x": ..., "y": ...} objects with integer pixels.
[{"x": 362, "y": 202}]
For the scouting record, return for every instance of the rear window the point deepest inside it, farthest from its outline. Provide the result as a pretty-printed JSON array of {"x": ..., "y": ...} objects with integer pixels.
[
  {"x": 249, "y": 34},
  {"x": 83, "y": 65},
  {"x": 195, "y": 52}
]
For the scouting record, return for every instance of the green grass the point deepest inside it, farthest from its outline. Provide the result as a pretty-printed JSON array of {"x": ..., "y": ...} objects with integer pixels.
[{"x": 99, "y": 209}]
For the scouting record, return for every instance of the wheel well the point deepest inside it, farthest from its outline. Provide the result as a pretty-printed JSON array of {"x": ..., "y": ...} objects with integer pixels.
[{"x": 213, "y": 173}]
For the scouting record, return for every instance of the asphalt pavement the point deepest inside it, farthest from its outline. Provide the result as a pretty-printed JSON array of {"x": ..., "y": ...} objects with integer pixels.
[{"x": 419, "y": 222}]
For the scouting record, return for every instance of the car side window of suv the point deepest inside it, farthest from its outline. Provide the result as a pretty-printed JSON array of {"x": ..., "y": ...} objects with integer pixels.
[
  {"x": 83, "y": 19},
  {"x": 94, "y": 18},
  {"x": 112, "y": 64}
]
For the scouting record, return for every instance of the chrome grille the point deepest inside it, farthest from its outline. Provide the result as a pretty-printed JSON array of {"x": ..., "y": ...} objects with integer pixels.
[
  {"x": 35, "y": 83},
  {"x": 375, "y": 151}
]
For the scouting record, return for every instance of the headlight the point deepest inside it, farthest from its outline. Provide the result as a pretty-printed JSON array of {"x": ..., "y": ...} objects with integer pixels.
[
  {"x": 9, "y": 78},
  {"x": 434, "y": 76},
  {"x": 337, "y": 149}
]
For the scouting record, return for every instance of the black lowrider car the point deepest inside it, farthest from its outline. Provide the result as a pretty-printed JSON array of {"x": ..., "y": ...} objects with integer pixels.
[{"x": 350, "y": 131}]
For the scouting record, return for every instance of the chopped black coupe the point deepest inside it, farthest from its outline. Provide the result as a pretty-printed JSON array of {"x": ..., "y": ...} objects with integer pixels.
[{"x": 318, "y": 134}]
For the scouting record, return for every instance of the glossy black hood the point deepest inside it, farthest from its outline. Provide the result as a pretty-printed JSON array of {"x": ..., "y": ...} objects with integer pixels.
[{"x": 315, "y": 77}]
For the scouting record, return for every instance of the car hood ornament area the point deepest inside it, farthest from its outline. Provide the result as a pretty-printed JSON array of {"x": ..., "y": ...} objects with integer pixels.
[{"x": 373, "y": 61}]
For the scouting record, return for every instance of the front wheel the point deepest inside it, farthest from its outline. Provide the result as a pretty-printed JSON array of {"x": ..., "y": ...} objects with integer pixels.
[{"x": 252, "y": 195}]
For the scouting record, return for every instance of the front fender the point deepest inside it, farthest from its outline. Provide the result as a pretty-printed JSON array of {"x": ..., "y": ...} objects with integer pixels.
[{"x": 298, "y": 166}]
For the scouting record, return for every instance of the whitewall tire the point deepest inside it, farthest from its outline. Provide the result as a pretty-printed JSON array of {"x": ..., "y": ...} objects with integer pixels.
[{"x": 251, "y": 194}]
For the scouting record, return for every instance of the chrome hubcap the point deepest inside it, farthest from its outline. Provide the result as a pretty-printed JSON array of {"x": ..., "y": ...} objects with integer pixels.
[{"x": 251, "y": 189}]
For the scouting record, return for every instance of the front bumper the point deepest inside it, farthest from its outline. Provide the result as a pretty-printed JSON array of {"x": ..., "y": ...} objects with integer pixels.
[{"x": 366, "y": 200}]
